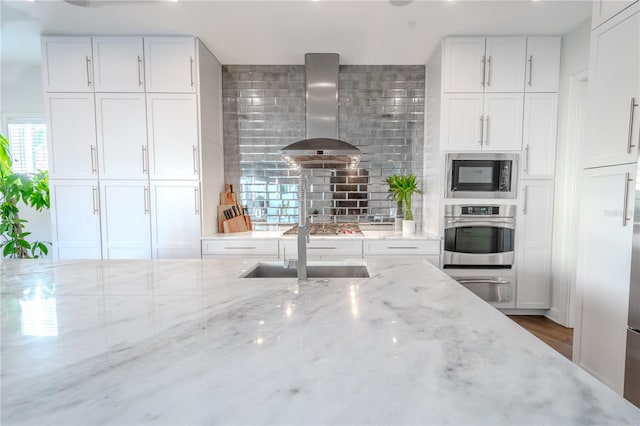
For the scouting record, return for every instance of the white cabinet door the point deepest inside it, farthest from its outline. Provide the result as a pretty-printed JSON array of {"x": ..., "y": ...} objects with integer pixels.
[
  {"x": 231, "y": 246},
  {"x": 126, "y": 223},
  {"x": 323, "y": 249},
  {"x": 118, "y": 64},
  {"x": 539, "y": 135},
  {"x": 603, "y": 272},
  {"x": 175, "y": 219},
  {"x": 172, "y": 123},
  {"x": 72, "y": 136},
  {"x": 75, "y": 219},
  {"x": 502, "y": 121},
  {"x": 543, "y": 64},
  {"x": 533, "y": 245},
  {"x": 462, "y": 122},
  {"x": 170, "y": 64},
  {"x": 505, "y": 65},
  {"x": 464, "y": 64},
  {"x": 607, "y": 9},
  {"x": 66, "y": 63},
  {"x": 614, "y": 89},
  {"x": 122, "y": 135}
]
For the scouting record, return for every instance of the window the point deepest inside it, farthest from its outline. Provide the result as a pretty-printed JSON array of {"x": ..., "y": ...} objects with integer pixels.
[{"x": 28, "y": 145}]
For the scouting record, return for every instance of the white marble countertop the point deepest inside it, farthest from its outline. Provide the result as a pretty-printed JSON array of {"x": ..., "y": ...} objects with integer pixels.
[
  {"x": 189, "y": 342},
  {"x": 366, "y": 235}
]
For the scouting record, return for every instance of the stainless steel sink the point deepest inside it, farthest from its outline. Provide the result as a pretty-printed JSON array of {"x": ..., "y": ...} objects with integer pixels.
[{"x": 275, "y": 270}]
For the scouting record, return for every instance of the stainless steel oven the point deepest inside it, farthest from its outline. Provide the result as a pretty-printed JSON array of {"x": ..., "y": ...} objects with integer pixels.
[
  {"x": 479, "y": 236},
  {"x": 482, "y": 175}
]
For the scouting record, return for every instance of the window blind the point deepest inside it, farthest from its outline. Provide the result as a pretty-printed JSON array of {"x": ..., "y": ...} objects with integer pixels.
[{"x": 28, "y": 146}]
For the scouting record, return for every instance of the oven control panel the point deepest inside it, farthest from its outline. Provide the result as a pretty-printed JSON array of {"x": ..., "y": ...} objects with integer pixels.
[{"x": 480, "y": 210}]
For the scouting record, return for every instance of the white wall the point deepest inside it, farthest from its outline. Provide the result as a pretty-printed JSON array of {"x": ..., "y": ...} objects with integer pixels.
[{"x": 574, "y": 61}]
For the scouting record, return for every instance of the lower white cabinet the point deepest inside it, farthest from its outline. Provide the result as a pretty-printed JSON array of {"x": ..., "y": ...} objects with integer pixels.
[
  {"x": 175, "y": 219},
  {"x": 323, "y": 249},
  {"x": 533, "y": 245},
  {"x": 126, "y": 219},
  {"x": 249, "y": 247},
  {"x": 75, "y": 219},
  {"x": 603, "y": 272}
]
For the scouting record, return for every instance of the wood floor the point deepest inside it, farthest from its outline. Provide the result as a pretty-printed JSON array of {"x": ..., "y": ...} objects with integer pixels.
[{"x": 554, "y": 335}]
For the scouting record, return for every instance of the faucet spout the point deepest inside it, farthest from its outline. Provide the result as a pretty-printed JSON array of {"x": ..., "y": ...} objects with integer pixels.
[{"x": 303, "y": 239}]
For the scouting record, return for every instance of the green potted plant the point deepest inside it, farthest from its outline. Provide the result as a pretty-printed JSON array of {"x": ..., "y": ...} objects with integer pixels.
[
  {"x": 403, "y": 187},
  {"x": 33, "y": 191},
  {"x": 395, "y": 195}
]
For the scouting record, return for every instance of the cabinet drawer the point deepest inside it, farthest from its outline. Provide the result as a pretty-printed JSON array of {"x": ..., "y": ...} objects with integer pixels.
[
  {"x": 401, "y": 247},
  {"x": 248, "y": 247},
  {"x": 322, "y": 249}
]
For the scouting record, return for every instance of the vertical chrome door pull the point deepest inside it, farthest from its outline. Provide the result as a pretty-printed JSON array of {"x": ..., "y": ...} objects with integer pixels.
[
  {"x": 197, "y": 200},
  {"x": 191, "y": 69},
  {"x": 145, "y": 163},
  {"x": 525, "y": 191},
  {"x": 526, "y": 159},
  {"x": 93, "y": 160},
  {"x": 631, "y": 111},
  {"x": 481, "y": 129},
  {"x": 94, "y": 195},
  {"x": 88, "y": 62},
  {"x": 195, "y": 160},
  {"x": 483, "y": 61},
  {"x": 139, "y": 71},
  {"x": 146, "y": 200},
  {"x": 530, "y": 61},
  {"x": 489, "y": 71},
  {"x": 625, "y": 204},
  {"x": 486, "y": 130}
]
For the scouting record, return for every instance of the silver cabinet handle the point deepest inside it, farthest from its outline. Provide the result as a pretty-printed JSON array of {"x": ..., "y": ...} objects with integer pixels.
[
  {"x": 525, "y": 191},
  {"x": 625, "y": 204},
  {"x": 88, "y": 63},
  {"x": 631, "y": 111},
  {"x": 530, "y": 61},
  {"x": 489, "y": 71},
  {"x": 93, "y": 160},
  {"x": 145, "y": 161},
  {"x": 481, "y": 129},
  {"x": 139, "y": 70},
  {"x": 197, "y": 200},
  {"x": 146, "y": 200},
  {"x": 195, "y": 160},
  {"x": 402, "y": 248},
  {"x": 322, "y": 248},
  {"x": 486, "y": 130},
  {"x": 94, "y": 195},
  {"x": 526, "y": 159},
  {"x": 240, "y": 248},
  {"x": 483, "y": 61},
  {"x": 191, "y": 69}
]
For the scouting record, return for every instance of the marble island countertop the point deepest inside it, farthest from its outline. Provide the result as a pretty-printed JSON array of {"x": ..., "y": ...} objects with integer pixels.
[{"x": 189, "y": 342}]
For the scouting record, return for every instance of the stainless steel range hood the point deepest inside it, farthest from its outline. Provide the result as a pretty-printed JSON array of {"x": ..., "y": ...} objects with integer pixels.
[{"x": 321, "y": 149}]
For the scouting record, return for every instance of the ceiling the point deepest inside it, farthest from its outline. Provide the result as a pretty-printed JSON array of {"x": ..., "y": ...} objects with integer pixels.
[{"x": 280, "y": 32}]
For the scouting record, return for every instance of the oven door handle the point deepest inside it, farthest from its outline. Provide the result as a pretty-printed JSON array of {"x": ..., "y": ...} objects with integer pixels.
[
  {"x": 482, "y": 281},
  {"x": 510, "y": 224}
]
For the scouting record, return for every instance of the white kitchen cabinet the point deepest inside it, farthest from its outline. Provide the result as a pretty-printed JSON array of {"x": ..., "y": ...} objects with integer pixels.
[
  {"x": 67, "y": 64},
  {"x": 543, "y": 64},
  {"x": 118, "y": 64},
  {"x": 477, "y": 122},
  {"x": 170, "y": 64},
  {"x": 266, "y": 248},
  {"x": 603, "y": 272},
  {"x": 172, "y": 122},
  {"x": 318, "y": 249},
  {"x": 614, "y": 86},
  {"x": 533, "y": 245},
  {"x": 71, "y": 136},
  {"x": 427, "y": 249},
  {"x": 484, "y": 64},
  {"x": 539, "y": 136},
  {"x": 175, "y": 219},
  {"x": 604, "y": 10},
  {"x": 126, "y": 219},
  {"x": 75, "y": 219},
  {"x": 122, "y": 135}
]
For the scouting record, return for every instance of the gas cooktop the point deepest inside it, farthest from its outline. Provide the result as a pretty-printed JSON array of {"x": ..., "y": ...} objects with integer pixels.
[{"x": 328, "y": 229}]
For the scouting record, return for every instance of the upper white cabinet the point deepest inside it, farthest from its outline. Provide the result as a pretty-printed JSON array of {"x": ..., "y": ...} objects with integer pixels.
[
  {"x": 614, "y": 88},
  {"x": 502, "y": 122},
  {"x": 462, "y": 121},
  {"x": 67, "y": 64},
  {"x": 173, "y": 136},
  {"x": 604, "y": 10},
  {"x": 535, "y": 221},
  {"x": 118, "y": 64},
  {"x": 539, "y": 136},
  {"x": 170, "y": 64},
  {"x": 484, "y": 64},
  {"x": 72, "y": 136},
  {"x": 122, "y": 135},
  {"x": 543, "y": 64}
]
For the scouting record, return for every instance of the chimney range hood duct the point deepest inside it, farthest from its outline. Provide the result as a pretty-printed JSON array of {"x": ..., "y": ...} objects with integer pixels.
[{"x": 321, "y": 149}]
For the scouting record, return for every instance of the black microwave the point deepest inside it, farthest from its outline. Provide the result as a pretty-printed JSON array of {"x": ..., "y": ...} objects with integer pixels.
[{"x": 481, "y": 175}]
